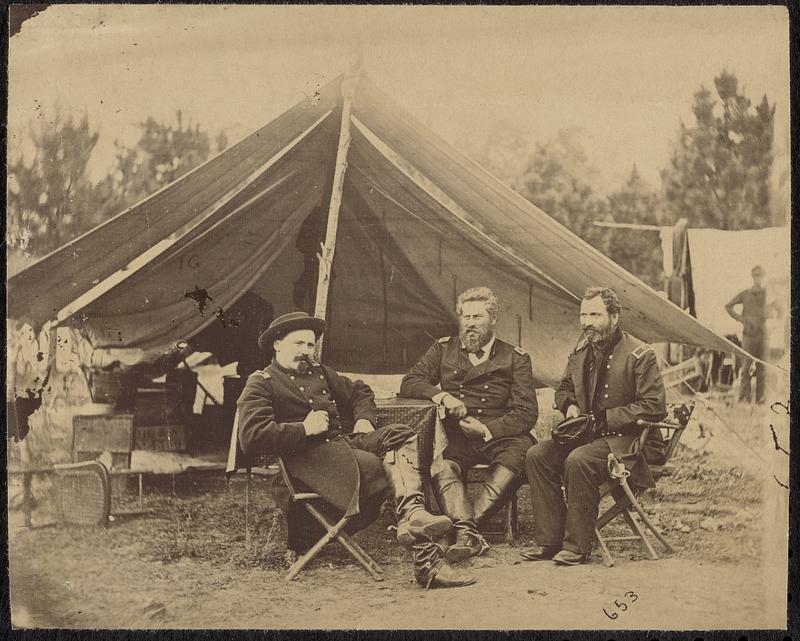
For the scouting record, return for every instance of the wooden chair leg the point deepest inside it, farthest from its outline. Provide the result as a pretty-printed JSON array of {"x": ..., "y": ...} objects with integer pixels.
[
  {"x": 314, "y": 549},
  {"x": 609, "y": 515},
  {"x": 247, "y": 509},
  {"x": 514, "y": 517},
  {"x": 652, "y": 527},
  {"x": 638, "y": 531},
  {"x": 360, "y": 555},
  {"x": 635, "y": 505},
  {"x": 508, "y": 536},
  {"x": 608, "y": 560},
  {"x": 336, "y": 532}
]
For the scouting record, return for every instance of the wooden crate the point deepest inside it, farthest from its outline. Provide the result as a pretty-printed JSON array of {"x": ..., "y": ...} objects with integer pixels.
[
  {"x": 160, "y": 438},
  {"x": 157, "y": 406},
  {"x": 102, "y": 433}
]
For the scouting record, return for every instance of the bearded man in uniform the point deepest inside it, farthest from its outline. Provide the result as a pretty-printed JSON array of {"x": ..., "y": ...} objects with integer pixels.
[
  {"x": 487, "y": 390},
  {"x": 613, "y": 377}
]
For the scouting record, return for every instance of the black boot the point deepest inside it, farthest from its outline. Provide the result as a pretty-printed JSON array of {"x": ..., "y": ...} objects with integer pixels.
[
  {"x": 413, "y": 520},
  {"x": 432, "y": 571},
  {"x": 500, "y": 483},
  {"x": 452, "y": 497}
]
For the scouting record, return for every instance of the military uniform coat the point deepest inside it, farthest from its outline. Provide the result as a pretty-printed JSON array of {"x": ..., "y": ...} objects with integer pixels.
[
  {"x": 271, "y": 410},
  {"x": 499, "y": 392},
  {"x": 631, "y": 389}
]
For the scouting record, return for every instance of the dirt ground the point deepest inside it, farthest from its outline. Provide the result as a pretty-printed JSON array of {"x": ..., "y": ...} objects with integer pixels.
[{"x": 185, "y": 565}]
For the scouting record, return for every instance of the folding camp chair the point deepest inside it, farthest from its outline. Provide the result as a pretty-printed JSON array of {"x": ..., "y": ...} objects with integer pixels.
[
  {"x": 263, "y": 465},
  {"x": 625, "y": 500},
  {"x": 332, "y": 531}
]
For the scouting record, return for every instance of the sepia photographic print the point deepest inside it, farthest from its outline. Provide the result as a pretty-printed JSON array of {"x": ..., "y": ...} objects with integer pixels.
[{"x": 398, "y": 317}]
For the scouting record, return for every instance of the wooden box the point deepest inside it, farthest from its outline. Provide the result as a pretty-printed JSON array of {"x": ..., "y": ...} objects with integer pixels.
[
  {"x": 102, "y": 433},
  {"x": 157, "y": 406},
  {"x": 161, "y": 438}
]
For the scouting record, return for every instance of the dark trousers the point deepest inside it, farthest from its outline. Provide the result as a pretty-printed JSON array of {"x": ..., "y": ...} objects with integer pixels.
[
  {"x": 569, "y": 525},
  {"x": 508, "y": 451},
  {"x": 754, "y": 345}
]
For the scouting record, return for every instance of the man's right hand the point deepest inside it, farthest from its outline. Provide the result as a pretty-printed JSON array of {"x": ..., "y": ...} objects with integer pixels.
[
  {"x": 573, "y": 411},
  {"x": 316, "y": 422},
  {"x": 454, "y": 406}
]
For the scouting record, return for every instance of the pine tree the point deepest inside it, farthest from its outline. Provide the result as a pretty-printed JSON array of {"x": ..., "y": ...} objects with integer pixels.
[{"x": 719, "y": 171}]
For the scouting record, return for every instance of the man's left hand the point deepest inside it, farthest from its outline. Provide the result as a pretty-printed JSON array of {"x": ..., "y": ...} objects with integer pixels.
[
  {"x": 471, "y": 426},
  {"x": 363, "y": 426}
]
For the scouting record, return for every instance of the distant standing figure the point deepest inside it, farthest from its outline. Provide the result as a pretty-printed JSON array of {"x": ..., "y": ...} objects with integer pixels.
[{"x": 753, "y": 317}]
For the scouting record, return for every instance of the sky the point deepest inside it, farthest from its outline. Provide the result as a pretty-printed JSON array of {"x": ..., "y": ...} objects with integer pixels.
[{"x": 624, "y": 75}]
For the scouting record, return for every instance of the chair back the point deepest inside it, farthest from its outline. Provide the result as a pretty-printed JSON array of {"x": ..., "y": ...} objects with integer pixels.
[{"x": 674, "y": 432}]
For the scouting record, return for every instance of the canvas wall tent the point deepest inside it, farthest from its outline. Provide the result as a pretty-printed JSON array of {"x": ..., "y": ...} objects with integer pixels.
[
  {"x": 715, "y": 265},
  {"x": 418, "y": 223}
]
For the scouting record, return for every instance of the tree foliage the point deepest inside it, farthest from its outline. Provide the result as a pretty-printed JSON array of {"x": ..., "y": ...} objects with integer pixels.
[
  {"x": 163, "y": 154},
  {"x": 719, "y": 172},
  {"x": 559, "y": 179},
  {"x": 556, "y": 176},
  {"x": 638, "y": 251},
  {"x": 50, "y": 196}
]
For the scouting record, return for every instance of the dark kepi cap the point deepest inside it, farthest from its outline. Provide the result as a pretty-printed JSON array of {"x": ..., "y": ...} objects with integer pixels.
[{"x": 290, "y": 323}]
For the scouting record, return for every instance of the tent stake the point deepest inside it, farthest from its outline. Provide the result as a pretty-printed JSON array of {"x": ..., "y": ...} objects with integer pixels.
[{"x": 328, "y": 249}]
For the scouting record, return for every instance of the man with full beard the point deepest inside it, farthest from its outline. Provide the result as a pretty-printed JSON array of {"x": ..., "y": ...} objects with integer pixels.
[
  {"x": 615, "y": 378},
  {"x": 324, "y": 426},
  {"x": 486, "y": 388}
]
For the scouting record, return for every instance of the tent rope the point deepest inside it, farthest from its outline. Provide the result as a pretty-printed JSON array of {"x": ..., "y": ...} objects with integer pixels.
[{"x": 699, "y": 398}]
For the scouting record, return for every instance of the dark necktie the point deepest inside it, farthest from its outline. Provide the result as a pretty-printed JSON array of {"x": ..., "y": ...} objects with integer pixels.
[{"x": 480, "y": 353}]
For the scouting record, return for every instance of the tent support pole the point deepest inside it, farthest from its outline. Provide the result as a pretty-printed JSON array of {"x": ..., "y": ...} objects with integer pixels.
[{"x": 329, "y": 247}]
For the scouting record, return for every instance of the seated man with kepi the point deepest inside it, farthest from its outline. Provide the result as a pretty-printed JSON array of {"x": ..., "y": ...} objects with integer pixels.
[
  {"x": 323, "y": 425},
  {"x": 486, "y": 387},
  {"x": 613, "y": 377}
]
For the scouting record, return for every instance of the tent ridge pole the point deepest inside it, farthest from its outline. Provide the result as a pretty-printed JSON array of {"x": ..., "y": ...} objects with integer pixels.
[{"x": 329, "y": 247}]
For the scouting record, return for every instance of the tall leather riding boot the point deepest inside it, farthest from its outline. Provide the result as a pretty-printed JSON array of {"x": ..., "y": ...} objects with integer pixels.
[
  {"x": 499, "y": 484},
  {"x": 432, "y": 571},
  {"x": 414, "y": 522},
  {"x": 452, "y": 497}
]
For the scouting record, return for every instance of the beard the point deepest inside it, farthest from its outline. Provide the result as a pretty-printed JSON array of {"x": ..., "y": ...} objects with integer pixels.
[
  {"x": 303, "y": 364},
  {"x": 474, "y": 338},
  {"x": 598, "y": 335}
]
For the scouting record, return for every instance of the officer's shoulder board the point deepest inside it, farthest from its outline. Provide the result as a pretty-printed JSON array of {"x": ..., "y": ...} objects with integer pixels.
[
  {"x": 443, "y": 339},
  {"x": 642, "y": 350},
  {"x": 520, "y": 351},
  {"x": 263, "y": 373}
]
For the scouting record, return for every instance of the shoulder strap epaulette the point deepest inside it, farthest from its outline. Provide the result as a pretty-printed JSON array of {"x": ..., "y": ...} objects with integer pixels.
[
  {"x": 443, "y": 339},
  {"x": 520, "y": 351},
  {"x": 263, "y": 373},
  {"x": 642, "y": 350}
]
